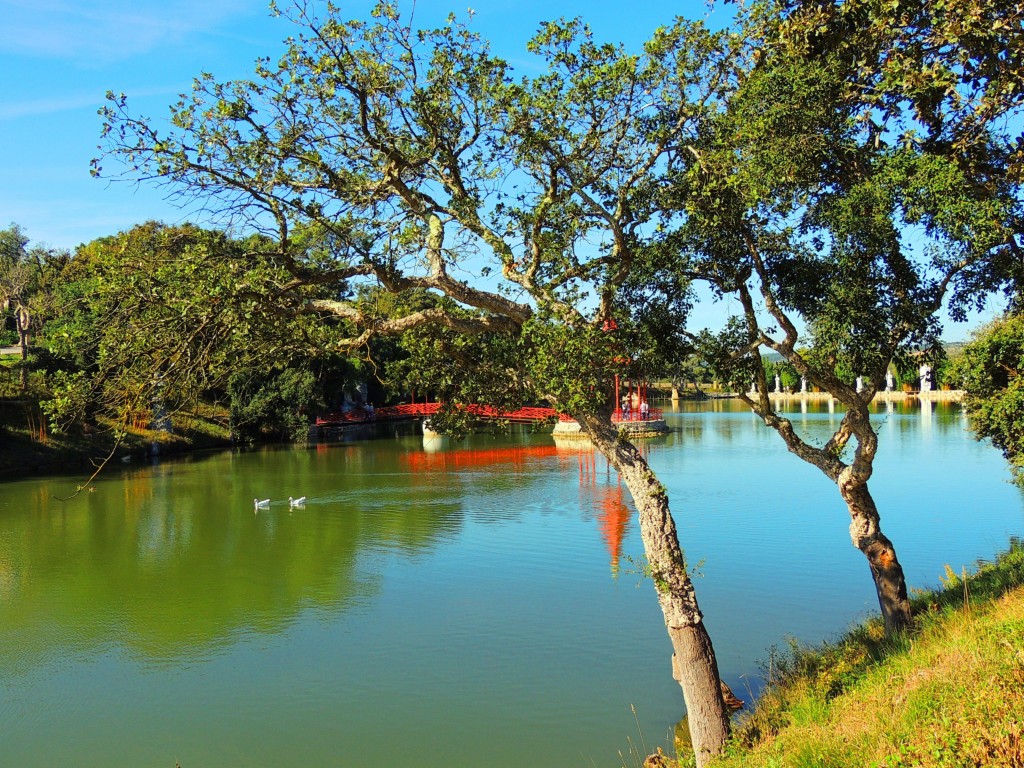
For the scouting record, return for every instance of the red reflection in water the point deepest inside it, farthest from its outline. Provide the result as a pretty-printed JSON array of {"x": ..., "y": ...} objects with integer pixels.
[
  {"x": 609, "y": 499},
  {"x": 606, "y": 491},
  {"x": 613, "y": 520},
  {"x": 467, "y": 458}
]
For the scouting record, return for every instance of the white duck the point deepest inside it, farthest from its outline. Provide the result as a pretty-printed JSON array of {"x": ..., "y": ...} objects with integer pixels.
[
  {"x": 258, "y": 504},
  {"x": 299, "y": 502}
]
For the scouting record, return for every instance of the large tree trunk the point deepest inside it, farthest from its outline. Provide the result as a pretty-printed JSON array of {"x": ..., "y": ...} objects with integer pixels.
[
  {"x": 694, "y": 663},
  {"x": 852, "y": 480},
  {"x": 866, "y": 534},
  {"x": 695, "y": 669}
]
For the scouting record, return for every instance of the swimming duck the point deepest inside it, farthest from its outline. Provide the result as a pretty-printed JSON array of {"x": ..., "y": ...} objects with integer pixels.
[{"x": 732, "y": 702}]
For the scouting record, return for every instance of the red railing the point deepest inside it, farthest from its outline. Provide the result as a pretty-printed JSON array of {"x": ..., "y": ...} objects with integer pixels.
[
  {"x": 387, "y": 413},
  {"x": 405, "y": 411},
  {"x": 421, "y": 410},
  {"x": 634, "y": 415}
]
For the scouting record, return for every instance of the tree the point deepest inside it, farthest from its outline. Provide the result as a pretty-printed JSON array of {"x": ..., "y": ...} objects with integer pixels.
[
  {"x": 688, "y": 369},
  {"x": 989, "y": 369},
  {"x": 789, "y": 380},
  {"x": 840, "y": 202},
  {"x": 20, "y": 272},
  {"x": 273, "y": 403},
  {"x": 421, "y": 159},
  {"x": 175, "y": 314}
]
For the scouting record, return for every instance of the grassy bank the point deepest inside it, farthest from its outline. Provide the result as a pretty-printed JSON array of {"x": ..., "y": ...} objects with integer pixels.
[
  {"x": 27, "y": 447},
  {"x": 950, "y": 693}
]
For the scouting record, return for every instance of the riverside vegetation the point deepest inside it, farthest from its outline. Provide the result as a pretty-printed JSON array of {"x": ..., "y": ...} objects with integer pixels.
[
  {"x": 947, "y": 693},
  {"x": 781, "y": 161},
  {"x": 29, "y": 448}
]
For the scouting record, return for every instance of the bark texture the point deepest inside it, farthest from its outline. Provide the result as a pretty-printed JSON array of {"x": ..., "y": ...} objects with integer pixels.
[
  {"x": 694, "y": 663},
  {"x": 852, "y": 481},
  {"x": 866, "y": 535}
]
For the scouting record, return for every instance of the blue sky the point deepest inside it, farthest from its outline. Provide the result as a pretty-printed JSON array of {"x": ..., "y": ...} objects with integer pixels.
[{"x": 61, "y": 56}]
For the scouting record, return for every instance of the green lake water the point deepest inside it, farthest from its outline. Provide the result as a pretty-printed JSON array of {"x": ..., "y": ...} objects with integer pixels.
[{"x": 441, "y": 604}]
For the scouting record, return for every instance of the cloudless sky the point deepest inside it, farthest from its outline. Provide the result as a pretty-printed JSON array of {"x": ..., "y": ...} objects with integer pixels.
[{"x": 59, "y": 58}]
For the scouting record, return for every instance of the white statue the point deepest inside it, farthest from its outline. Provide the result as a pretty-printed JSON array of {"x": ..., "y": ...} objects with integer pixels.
[{"x": 925, "y": 371}]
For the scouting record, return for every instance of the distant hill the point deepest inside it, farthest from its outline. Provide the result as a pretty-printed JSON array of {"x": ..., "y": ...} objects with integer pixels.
[{"x": 953, "y": 349}]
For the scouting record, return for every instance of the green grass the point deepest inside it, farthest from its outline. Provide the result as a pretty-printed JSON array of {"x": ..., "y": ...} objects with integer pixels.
[
  {"x": 27, "y": 447},
  {"x": 948, "y": 694}
]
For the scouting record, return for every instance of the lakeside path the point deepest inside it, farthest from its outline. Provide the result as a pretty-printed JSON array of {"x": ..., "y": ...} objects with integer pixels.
[{"x": 935, "y": 396}]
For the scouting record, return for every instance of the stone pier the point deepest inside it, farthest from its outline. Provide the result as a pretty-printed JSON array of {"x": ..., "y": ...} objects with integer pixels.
[{"x": 631, "y": 429}]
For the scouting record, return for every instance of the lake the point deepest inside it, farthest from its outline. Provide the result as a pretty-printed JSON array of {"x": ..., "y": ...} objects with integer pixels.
[{"x": 442, "y": 603}]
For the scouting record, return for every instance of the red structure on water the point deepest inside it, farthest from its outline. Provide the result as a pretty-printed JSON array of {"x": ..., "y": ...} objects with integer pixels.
[
  {"x": 408, "y": 411},
  {"x": 606, "y": 495}
]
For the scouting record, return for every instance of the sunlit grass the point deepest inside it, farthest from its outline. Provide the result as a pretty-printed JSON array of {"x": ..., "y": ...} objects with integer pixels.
[
  {"x": 951, "y": 693},
  {"x": 28, "y": 447}
]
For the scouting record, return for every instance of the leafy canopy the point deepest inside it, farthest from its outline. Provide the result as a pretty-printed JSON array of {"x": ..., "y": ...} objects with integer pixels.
[
  {"x": 989, "y": 370},
  {"x": 520, "y": 206}
]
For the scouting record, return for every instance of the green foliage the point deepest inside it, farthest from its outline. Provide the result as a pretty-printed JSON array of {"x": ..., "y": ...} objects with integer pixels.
[
  {"x": 458, "y": 370},
  {"x": 787, "y": 374},
  {"x": 946, "y": 694},
  {"x": 548, "y": 361},
  {"x": 718, "y": 350},
  {"x": 401, "y": 157},
  {"x": 811, "y": 198},
  {"x": 940, "y": 84},
  {"x": 171, "y": 313},
  {"x": 276, "y": 404},
  {"x": 68, "y": 400},
  {"x": 989, "y": 370},
  {"x": 804, "y": 194},
  {"x": 574, "y": 364},
  {"x": 17, "y": 271},
  {"x": 23, "y": 283},
  {"x": 652, "y": 309}
]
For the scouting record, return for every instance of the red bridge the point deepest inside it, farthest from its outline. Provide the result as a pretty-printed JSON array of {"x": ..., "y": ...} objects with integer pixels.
[
  {"x": 407, "y": 411},
  {"x": 422, "y": 410}
]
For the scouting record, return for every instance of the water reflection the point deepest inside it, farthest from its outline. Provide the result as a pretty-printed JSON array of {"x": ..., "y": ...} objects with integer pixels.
[
  {"x": 509, "y": 458},
  {"x": 460, "y": 589},
  {"x": 174, "y": 562},
  {"x": 602, "y": 491},
  {"x": 926, "y": 419},
  {"x": 816, "y": 418}
]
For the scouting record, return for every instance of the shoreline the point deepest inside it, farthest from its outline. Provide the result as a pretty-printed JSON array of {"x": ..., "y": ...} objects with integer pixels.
[
  {"x": 935, "y": 396},
  {"x": 71, "y": 456}
]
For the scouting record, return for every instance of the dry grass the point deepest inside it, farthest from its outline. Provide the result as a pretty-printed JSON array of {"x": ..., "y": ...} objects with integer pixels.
[
  {"x": 79, "y": 452},
  {"x": 951, "y": 694}
]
